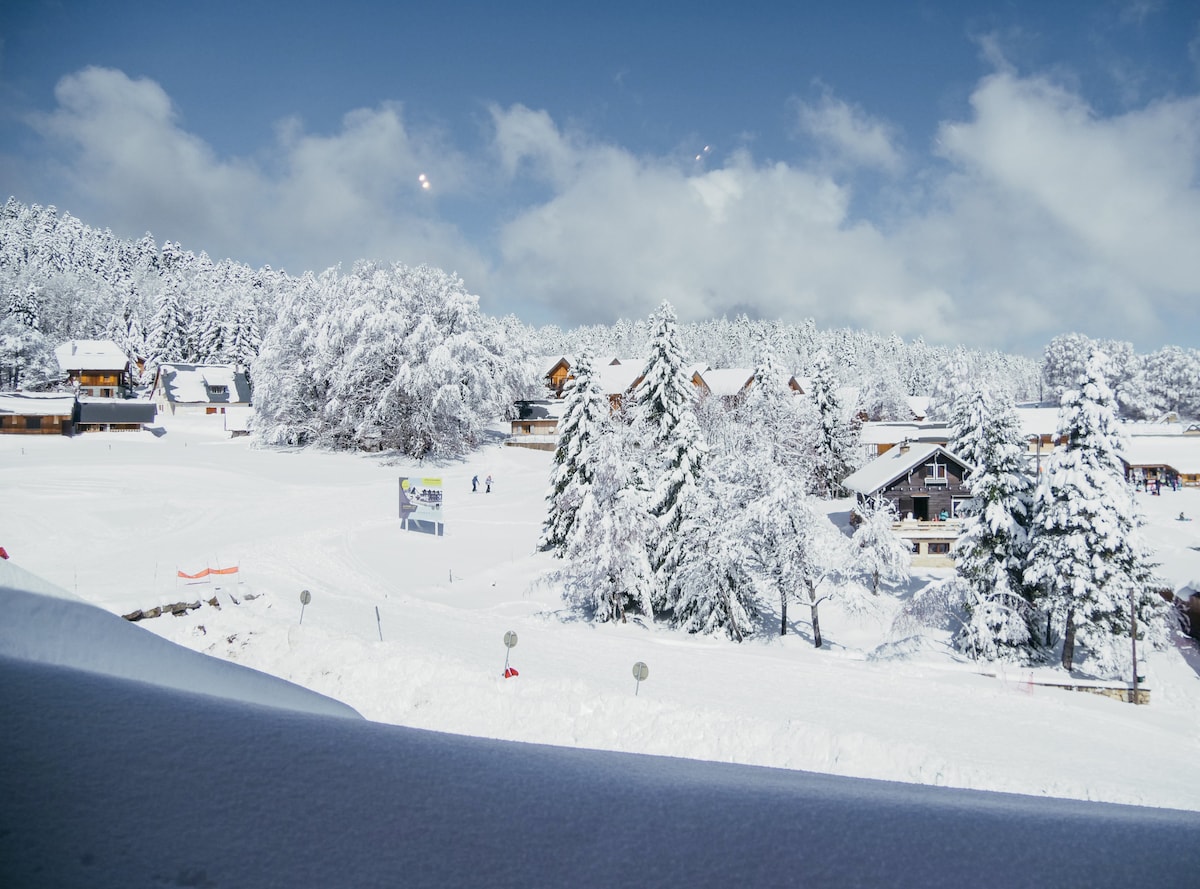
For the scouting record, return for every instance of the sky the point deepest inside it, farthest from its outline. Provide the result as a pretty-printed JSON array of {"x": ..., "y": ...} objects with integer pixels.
[{"x": 985, "y": 173}]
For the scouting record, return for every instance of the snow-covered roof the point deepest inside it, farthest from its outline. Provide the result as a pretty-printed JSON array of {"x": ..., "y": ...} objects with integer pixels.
[
  {"x": 616, "y": 379},
  {"x": 90, "y": 355},
  {"x": 1139, "y": 429},
  {"x": 919, "y": 405},
  {"x": 203, "y": 384},
  {"x": 878, "y": 433},
  {"x": 36, "y": 404},
  {"x": 1038, "y": 421},
  {"x": 547, "y": 363},
  {"x": 727, "y": 381},
  {"x": 888, "y": 467},
  {"x": 1180, "y": 452},
  {"x": 894, "y": 432}
]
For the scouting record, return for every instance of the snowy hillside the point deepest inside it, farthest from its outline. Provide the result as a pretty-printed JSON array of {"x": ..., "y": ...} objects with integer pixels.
[{"x": 114, "y": 517}]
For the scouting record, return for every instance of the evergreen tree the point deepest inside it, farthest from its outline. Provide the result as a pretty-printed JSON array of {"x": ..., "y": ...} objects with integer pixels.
[
  {"x": 665, "y": 395},
  {"x": 990, "y": 553},
  {"x": 675, "y": 502},
  {"x": 169, "y": 328},
  {"x": 708, "y": 580},
  {"x": 836, "y": 435},
  {"x": 607, "y": 571},
  {"x": 1086, "y": 560},
  {"x": 585, "y": 418}
]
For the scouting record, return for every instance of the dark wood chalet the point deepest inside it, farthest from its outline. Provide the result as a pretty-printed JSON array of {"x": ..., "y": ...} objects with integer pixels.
[{"x": 926, "y": 484}]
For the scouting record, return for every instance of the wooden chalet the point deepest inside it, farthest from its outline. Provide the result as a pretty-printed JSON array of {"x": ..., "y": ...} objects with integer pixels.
[
  {"x": 27, "y": 413},
  {"x": 926, "y": 484},
  {"x": 536, "y": 424},
  {"x": 94, "y": 367}
]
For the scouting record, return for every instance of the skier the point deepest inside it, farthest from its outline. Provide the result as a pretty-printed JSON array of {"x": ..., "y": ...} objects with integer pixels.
[
  {"x": 488, "y": 489},
  {"x": 474, "y": 484}
]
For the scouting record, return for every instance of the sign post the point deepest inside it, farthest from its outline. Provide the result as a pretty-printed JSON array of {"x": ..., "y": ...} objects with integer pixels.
[
  {"x": 510, "y": 642},
  {"x": 305, "y": 598},
  {"x": 640, "y": 672}
]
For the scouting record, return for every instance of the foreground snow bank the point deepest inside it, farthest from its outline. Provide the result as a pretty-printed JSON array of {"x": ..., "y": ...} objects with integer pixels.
[
  {"x": 46, "y": 624},
  {"x": 242, "y": 795}
]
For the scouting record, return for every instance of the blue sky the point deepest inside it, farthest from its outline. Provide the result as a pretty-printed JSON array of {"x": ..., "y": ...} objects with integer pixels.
[{"x": 986, "y": 173}]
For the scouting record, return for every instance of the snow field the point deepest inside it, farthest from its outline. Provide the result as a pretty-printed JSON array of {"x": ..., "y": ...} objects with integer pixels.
[{"x": 112, "y": 515}]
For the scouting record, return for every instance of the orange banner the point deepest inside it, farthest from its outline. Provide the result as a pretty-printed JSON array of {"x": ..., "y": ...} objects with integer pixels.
[{"x": 208, "y": 571}]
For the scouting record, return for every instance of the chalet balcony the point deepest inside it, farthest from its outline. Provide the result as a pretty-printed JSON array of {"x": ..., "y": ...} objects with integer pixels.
[{"x": 930, "y": 527}]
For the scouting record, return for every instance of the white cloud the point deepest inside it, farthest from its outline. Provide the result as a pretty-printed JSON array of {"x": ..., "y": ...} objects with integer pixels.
[
  {"x": 1037, "y": 217},
  {"x": 850, "y": 134},
  {"x": 309, "y": 201}
]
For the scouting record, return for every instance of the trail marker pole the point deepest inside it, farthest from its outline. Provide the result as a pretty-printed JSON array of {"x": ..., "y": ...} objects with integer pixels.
[
  {"x": 640, "y": 672},
  {"x": 305, "y": 598},
  {"x": 510, "y": 642},
  {"x": 379, "y": 623}
]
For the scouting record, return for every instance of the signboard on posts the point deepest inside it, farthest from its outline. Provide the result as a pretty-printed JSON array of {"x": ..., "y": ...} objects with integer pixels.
[{"x": 421, "y": 505}]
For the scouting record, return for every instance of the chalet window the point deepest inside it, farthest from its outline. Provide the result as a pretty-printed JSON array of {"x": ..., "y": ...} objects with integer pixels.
[
  {"x": 935, "y": 474},
  {"x": 218, "y": 389},
  {"x": 916, "y": 547},
  {"x": 33, "y": 422},
  {"x": 938, "y": 549}
]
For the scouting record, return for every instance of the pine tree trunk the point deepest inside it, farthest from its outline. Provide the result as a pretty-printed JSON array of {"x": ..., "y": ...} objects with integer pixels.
[
  {"x": 1068, "y": 655},
  {"x": 783, "y": 618},
  {"x": 816, "y": 625}
]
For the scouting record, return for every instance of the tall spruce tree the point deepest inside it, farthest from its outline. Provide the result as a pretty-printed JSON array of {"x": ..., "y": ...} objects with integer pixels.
[
  {"x": 836, "y": 434},
  {"x": 990, "y": 554},
  {"x": 676, "y": 448},
  {"x": 1086, "y": 560},
  {"x": 585, "y": 415},
  {"x": 607, "y": 571}
]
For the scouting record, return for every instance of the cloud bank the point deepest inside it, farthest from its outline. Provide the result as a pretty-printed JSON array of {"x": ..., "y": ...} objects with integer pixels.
[{"x": 1030, "y": 216}]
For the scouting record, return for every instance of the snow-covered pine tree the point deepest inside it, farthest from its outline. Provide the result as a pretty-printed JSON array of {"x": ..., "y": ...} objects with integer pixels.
[
  {"x": 675, "y": 447},
  {"x": 836, "y": 436},
  {"x": 607, "y": 571},
  {"x": 878, "y": 555},
  {"x": 776, "y": 420},
  {"x": 585, "y": 419},
  {"x": 990, "y": 553},
  {"x": 706, "y": 575},
  {"x": 168, "y": 337},
  {"x": 665, "y": 394},
  {"x": 675, "y": 501},
  {"x": 1086, "y": 560}
]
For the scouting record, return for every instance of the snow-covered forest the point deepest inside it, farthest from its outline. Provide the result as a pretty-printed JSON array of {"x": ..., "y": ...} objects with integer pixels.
[
  {"x": 692, "y": 510},
  {"x": 707, "y": 515}
]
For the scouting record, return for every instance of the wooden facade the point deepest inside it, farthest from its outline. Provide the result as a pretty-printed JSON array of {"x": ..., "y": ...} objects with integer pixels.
[
  {"x": 933, "y": 490},
  {"x": 926, "y": 485},
  {"x": 33, "y": 424}
]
